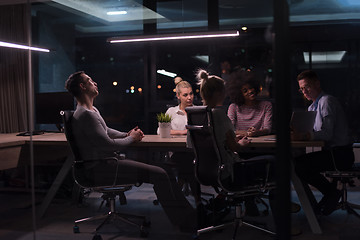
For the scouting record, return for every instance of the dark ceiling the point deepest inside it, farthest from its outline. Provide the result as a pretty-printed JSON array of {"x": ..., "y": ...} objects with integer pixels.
[{"x": 89, "y": 16}]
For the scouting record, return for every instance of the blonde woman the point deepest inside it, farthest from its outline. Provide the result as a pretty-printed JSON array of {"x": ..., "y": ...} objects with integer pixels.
[
  {"x": 185, "y": 96},
  {"x": 183, "y": 160}
]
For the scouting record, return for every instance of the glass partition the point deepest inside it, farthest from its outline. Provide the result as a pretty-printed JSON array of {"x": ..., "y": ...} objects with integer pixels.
[{"x": 133, "y": 89}]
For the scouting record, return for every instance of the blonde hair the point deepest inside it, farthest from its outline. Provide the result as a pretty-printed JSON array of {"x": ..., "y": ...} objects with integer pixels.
[
  {"x": 212, "y": 88},
  {"x": 180, "y": 83}
]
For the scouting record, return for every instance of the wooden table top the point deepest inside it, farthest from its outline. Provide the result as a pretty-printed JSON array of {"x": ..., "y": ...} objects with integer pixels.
[
  {"x": 270, "y": 141},
  {"x": 10, "y": 139},
  {"x": 262, "y": 141}
]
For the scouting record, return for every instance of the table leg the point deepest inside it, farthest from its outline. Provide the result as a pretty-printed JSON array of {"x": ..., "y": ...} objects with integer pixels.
[
  {"x": 306, "y": 199},
  {"x": 55, "y": 186}
]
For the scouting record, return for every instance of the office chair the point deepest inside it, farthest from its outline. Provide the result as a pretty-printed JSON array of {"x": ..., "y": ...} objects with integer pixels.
[
  {"x": 345, "y": 179},
  {"x": 209, "y": 167},
  {"x": 109, "y": 192}
]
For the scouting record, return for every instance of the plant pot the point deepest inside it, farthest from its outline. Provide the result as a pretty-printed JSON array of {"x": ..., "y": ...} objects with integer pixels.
[{"x": 164, "y": 129}]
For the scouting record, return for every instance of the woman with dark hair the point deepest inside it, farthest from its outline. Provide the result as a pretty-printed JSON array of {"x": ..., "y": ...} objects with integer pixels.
[
  {"x": 250, "y": 116},
  {"x": 212, "y": 92}
]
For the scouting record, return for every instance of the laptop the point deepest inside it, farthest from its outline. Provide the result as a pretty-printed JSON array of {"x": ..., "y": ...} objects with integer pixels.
[{"x": 302, "y": 121}]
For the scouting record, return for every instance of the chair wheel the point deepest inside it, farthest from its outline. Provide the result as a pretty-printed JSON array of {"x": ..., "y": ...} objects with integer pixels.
[
  {"x": 146, "y": 223},
  {"x": 97, "y": 237},
  {"x": 76, "y": 229},
  {"x": 156, "y": 202}
]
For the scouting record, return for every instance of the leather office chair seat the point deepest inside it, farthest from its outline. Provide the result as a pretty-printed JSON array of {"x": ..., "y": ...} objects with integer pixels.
[
  {"x": 109, "y": 192},
  {"x": 345, "y": 179},
  {"x": 209, "y": 167}
]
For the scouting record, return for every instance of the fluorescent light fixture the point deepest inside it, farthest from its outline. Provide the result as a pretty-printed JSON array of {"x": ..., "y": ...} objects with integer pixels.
[
  {"x": 203, "y": 58},
  {"x": 99, "y": 8},
  {"x": 166, "y": 73},
  {"x": 176, "y": 36},
  {"x": 13, "y": 45},
  {"x": 111, "y": 13},
  {"x": 324, "y": 57}
]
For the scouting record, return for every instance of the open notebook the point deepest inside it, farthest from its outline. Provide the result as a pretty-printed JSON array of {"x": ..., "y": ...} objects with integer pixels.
[{"x": 302, "y": 121}]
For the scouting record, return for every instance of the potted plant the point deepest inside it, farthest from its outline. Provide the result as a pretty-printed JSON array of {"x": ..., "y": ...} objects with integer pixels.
[{"x": 164, "y": 121}]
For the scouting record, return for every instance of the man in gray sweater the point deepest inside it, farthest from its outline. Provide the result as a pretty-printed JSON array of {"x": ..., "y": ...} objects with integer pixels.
[{"x": 97, "y": 141}]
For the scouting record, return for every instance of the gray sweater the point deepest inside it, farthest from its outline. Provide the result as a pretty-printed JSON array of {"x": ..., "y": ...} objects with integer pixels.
[{"x": 94, "y": 138}]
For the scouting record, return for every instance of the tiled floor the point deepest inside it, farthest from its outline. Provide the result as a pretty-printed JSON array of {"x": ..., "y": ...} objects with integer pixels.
[{"x": 16, "y": 221}]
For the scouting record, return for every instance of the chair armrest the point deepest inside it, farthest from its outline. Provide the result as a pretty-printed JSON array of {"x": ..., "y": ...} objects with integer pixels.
[
  {"x": 194, "y": 127},
  {"x": 260, "y": 160},
  {"x": 96, "y": 160}
]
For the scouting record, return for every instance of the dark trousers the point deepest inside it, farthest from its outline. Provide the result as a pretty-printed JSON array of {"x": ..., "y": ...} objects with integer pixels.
[
  {"x": 170, "y": 196},
  {"x": 309, "y": 167},
  {"x": 186, "y": 171}
]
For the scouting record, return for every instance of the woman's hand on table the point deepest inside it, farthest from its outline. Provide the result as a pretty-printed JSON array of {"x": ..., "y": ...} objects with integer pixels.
[
  {"x": 244, "y": 141},
  {"x": 241, "y": 133},
  {"x": 178, "y": 132},
  {"x": 252, "y": 132}
]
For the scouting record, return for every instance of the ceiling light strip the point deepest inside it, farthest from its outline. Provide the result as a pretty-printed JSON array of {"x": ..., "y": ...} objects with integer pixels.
[
  {"x": 18, "y": 46},
  {"x": 111, "y": 13},
  {"x": 166, "y": 73},
  {"x": 178, "y": 36}
]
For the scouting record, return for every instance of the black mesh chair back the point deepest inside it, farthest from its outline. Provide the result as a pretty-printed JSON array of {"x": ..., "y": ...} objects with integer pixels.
[
  {"x": 200, "y": 130},
  {"x": 209, "y": 166},
  {"x": 67, "y": 121},
  {"x": 78, "y": 165}
]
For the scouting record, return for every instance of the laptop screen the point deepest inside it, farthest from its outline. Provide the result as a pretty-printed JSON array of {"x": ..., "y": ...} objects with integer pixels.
[{"x": 302, "y": 121}]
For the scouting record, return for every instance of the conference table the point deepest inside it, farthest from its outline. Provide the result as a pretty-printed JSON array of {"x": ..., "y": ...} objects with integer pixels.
[{"x": 15, "y": 151}]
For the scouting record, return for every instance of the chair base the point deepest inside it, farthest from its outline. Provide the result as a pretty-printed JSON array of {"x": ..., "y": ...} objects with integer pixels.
[
  {"x": 349, "y": 207},
  {"x": 113, "y": 217},
  {"x": 344, "y": 204},
  {"x": 237, "y": 222}
]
